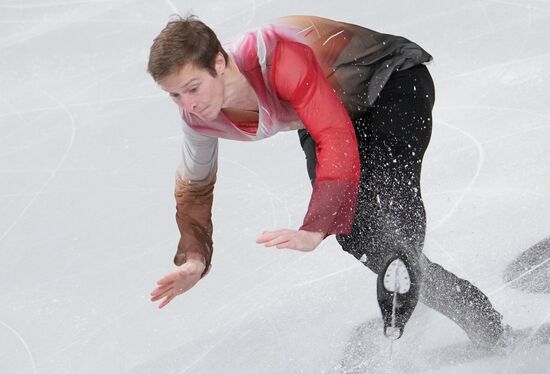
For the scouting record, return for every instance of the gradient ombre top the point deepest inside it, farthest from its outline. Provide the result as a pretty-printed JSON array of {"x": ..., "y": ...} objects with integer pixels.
[{"x": 313, "y": 73}]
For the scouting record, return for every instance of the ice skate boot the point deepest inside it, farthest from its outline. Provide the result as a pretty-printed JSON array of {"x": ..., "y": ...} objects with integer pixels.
[{"x": 397, "y": 288}]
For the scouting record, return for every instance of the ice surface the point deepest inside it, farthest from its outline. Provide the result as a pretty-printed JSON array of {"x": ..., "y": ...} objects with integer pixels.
[{"x": 88, "y": 152}]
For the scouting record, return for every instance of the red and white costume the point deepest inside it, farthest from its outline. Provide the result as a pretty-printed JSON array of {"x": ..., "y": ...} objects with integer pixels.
[{"x": 301, "y": 76}]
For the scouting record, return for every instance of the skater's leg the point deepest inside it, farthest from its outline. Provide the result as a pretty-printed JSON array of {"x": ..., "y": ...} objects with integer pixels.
[
  {"x": 389, "y": 226},
  {"x": 462, "y": 302},
  {"x": 393, "y": 136},
  {"x": 390, "y": 214},
  {"x": 390, "y": 217}
]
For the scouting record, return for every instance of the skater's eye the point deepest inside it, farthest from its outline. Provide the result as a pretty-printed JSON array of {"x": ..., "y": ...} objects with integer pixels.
[{"x": 173, "y": 94}]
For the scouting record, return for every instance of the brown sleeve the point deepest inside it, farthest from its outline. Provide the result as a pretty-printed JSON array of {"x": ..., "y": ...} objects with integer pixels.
[{"x": 194, "y": 219}]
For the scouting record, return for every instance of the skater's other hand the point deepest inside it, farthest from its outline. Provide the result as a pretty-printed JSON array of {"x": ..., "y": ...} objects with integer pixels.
[
  {"x": 177, "y": 282},
  {"x": 300, "y": 240}
]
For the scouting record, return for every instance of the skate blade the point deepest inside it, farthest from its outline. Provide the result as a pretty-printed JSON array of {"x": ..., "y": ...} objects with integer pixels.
[
  {"x": 393, "y": 333},
  {"x": 396, "y": 278}
]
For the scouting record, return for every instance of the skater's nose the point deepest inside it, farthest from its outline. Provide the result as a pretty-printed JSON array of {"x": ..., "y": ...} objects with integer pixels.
[{"x": 187, "y": 102}]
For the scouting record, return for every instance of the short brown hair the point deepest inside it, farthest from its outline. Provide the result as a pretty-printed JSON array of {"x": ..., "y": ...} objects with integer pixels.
[{"x": 184, "y": 41}]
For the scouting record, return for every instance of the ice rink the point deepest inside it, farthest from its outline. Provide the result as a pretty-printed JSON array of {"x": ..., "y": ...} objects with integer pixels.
[{"x": 88, "y": 152}]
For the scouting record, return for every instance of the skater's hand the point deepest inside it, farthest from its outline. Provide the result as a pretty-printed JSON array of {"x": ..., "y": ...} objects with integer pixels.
[
  {"x": 300, "y": 240},
  {"x": 178, "y": 282}
]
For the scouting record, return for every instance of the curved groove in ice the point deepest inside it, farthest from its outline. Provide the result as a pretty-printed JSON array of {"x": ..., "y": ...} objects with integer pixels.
[
  {"x": 54, "y": 172},
  {"x": 24, "y": 344},
  {"x": 466, "y": 190}
]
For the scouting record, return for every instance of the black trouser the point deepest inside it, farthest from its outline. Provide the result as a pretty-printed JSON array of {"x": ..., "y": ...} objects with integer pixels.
[{"x": 393, "y": 136}]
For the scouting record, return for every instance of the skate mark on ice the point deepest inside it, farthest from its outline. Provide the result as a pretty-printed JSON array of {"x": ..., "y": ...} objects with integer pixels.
[
  {"x": 187, "y": 356},
  {"x": 266, "y": 188},
  {"x": 449, "y": 255},
  {"x": 530, "y": 271},
  {"x": 86, "y": 103},
  {"x": 465, "y": 352},
  {"x": 369, "y": 351},
  {"x": 495, "y": 108},
  {"x": 249, "y": 293},
  {"x": 541, "y": 117},
  {"x": 246, "y": 11},
  {"x": 252, "y": 15},
  {"x": 529, "y": 7},
  {"x": 311, "y": 281},
  {"x": 36, "y": 5},
  {"x": 38, "y": 29},
  {"x": 14, "y": 332},
  {"x": 492, "y": 67},
  {"x": 468, "y": 188},
  {"x": 55, "y": 170},
  {"x": 215, "y": 344},
  {"x": 172, "y": 6},
  {"x": 533, "y": 337}
]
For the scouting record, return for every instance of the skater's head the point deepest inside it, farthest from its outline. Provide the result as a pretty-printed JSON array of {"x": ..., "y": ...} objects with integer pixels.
[
  {"x": 188, "y": 61},
  {"x": 184, "y": 41}
]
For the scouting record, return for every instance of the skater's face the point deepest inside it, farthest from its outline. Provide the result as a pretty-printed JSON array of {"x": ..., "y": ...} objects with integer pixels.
[{"x": 196, "y": 91}]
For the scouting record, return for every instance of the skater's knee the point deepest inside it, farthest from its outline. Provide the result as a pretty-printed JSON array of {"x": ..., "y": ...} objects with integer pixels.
[
  {"x": 375, "y": 253},
  {"x": 361, "y": 252}
]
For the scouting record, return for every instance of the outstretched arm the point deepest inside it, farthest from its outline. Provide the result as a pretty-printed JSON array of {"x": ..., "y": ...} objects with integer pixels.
[
  {"x": 194, "y": 192},
  {"x": 300, "y": 240},
  {"x": 298, "y": 78}
]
